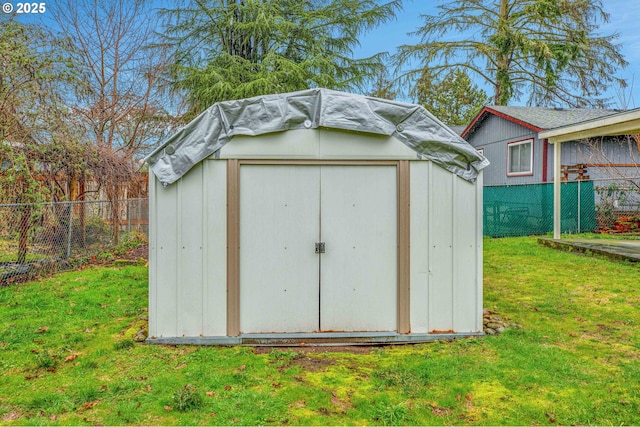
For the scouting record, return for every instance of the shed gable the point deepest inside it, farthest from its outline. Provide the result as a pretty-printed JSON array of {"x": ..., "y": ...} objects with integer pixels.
[{"x": 329, "y": 144}]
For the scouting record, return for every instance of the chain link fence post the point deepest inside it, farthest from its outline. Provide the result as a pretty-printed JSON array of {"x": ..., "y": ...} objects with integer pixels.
[{"x": 69, "y": 231}]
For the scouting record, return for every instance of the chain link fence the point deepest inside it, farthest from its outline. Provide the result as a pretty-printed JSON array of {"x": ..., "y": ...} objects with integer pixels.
[
  {"x": 604, "y": 205},
  {"x": 40, "y": 238}
]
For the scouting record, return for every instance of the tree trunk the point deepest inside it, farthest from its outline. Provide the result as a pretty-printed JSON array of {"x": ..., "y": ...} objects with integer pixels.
[{"x": 112, "y": 193}]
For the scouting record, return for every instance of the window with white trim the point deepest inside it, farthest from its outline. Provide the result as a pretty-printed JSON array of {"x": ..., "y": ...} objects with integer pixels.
[{"x": 520, "y": 158}]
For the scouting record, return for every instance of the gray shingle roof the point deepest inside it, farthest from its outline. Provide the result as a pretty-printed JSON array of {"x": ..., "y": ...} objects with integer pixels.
[{"x": 549, "y": 118}]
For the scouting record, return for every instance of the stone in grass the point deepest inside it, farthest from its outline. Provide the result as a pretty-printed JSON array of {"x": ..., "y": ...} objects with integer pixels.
[
  {"x": 495, "y": 325},
  {"x": 141, "y": 335}
]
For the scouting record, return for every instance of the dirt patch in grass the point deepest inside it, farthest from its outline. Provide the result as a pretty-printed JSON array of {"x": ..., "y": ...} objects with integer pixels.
[
  {"x": 353, "y": 349},
  {"x": 311, "y": 364}
]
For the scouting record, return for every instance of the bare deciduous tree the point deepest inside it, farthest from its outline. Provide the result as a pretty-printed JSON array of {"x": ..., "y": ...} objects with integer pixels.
[{"x": 119, "y": 104}]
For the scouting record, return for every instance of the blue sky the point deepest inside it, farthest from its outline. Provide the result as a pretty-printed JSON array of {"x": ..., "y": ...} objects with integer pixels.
[
  {"x": 625, "y": 15},
  {"x": 624, "y": 19}
]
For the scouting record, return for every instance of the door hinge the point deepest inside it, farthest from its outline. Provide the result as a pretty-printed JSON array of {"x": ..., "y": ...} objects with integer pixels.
[{"x": 320, "y": 247}]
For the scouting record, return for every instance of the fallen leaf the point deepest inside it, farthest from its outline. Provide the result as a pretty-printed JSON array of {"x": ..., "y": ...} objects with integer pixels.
[
  {"x": 276, "y": 385},
  {"x": 70, "y": 358},
  {"x": 228, "y": 387},
  {"x": 552, "y": 417},
  {"x": 89, "y": 405},
  {"x": 210, "y": 393},
  {"x": 148, "y": 387},
  {"x": 43, "y": 329},
  {"x": 183, "y": 365},
  {"x": 212, "y": 414},
  {"x": 72, "y": 304},
  {"x": 235, "y": 420},
  {"x": 167, "y": 408},
  {"x": 242, "y": 368}
]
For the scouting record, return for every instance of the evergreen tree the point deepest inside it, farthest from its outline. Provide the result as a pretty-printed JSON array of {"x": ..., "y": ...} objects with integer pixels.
[
  {"x": 548, "y": 50},
  {"x": 229, "y": 49},
  {"x": 454, "y": 98}
]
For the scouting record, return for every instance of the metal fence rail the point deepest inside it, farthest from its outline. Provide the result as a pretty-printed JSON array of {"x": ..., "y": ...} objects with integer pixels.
[{"x": 50, "y": 236}]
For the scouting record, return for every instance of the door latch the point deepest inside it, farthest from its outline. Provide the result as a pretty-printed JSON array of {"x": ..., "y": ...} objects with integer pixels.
[{"x": 320, "y": 247}]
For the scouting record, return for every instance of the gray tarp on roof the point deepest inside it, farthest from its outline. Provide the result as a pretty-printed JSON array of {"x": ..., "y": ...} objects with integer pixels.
[{"x": 313, "y": 108}]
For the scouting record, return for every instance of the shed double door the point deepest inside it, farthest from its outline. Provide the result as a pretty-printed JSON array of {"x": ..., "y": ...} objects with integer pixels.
[{"x": 288, "y": 282}]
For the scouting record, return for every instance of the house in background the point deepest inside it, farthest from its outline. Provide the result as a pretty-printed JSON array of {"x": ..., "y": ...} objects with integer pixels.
[{"x": 508, "y": 137}]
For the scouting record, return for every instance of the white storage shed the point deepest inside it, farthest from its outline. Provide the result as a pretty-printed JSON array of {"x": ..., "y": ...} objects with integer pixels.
[{"x": 314, "y": 217}]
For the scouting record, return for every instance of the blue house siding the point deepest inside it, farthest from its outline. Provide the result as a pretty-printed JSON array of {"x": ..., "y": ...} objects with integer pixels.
[
  {"x": 496, "y": 127},
  {"x": 493, "y": 138}
]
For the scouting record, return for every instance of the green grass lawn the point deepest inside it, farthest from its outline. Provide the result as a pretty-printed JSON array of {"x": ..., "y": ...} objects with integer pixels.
[{"x": 67, "y": 357}]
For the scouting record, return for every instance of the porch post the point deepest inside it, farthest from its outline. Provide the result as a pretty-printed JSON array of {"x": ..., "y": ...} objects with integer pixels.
[{"x": 556, "y": 190}]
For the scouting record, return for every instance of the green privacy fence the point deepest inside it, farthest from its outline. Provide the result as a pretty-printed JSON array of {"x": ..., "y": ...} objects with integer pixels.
[{"x": 524, "y": 210}]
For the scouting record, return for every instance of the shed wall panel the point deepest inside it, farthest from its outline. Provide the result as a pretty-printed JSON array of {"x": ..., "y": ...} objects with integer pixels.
[
  {"x": 465, "y": 246},
  {"x": 214, "y": 321},
  {"x": 441, "y": 222},
  {"x": 419, "y": 247},
  {"x": 190, "y": 242},
  {"x": 479, "y": 253},
  {"x": 153, "y": 257},
  {"x": 166, "y": 231}
]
